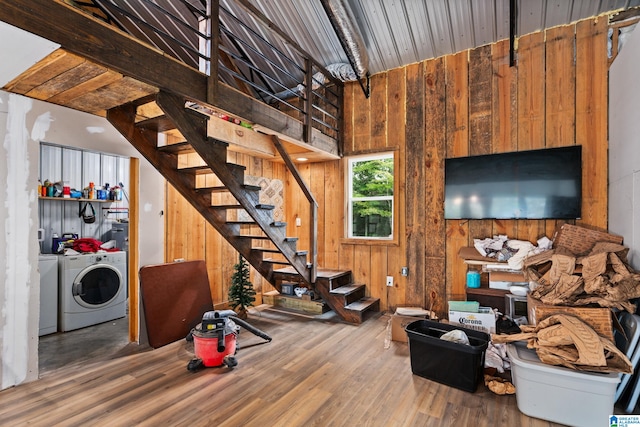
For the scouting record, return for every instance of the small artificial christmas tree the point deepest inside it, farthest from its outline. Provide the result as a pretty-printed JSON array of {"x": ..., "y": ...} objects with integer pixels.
[{"x": 241, "y": 292}]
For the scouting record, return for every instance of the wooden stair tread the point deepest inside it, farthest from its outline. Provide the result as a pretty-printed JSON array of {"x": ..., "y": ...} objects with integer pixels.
[
  {"x": 177, "y": 148},
  {"x": 223, "y": 189},
  {"x": 270, "y": 250},
  {"x": 347, "y": 289},
  {"x": 196, "y": 170},
  {"x": 158, "y": 124},
  {"x": 362, "y": 304},
  {"x": 215, "y": 189},
  {"x": 237, "y": 206},
  {"x": 204, "y": 169},
  {"x": 242, "y": 222},
  {"x": 247, "y": 236},
  {"x": 323, "y": 273},
  {"x": 229, "y": 206},
  {"x": 276, "y": 261}
]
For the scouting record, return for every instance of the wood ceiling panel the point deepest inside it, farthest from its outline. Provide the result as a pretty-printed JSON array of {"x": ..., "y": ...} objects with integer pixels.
[
  {"x": 118, "y": 93},
  {"x": 53, "y": 65},
  {"x": 77, "y": 75},
  {"x": 104, "y": 79}
]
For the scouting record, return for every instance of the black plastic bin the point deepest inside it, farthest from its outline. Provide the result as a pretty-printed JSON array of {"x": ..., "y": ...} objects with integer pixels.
[{"x": 446, "y": 362}]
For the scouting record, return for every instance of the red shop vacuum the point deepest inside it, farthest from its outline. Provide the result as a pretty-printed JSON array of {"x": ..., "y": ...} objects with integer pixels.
[{"x": 214, "y": 339}]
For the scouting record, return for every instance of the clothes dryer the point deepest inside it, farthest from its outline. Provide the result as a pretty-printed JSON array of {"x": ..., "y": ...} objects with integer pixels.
[{"x": 92, "y": 289}]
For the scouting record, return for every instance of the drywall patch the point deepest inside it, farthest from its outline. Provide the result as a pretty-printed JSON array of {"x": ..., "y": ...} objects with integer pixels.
[
  {"x": 17, "y": 275},
  {"x": 41, "y": 126},
  {"x": 95, "y": 129}
]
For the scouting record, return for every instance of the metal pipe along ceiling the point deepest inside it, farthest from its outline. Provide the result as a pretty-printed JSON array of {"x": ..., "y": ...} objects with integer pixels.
[{"x": 349, "y": 36}]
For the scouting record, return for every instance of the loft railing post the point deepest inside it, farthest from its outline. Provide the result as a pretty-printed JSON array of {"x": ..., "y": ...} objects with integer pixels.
[
  {"x": 308, "y": 102},
  {"x": 214, "y": 26},
  {"x": 340, "y": 116}
]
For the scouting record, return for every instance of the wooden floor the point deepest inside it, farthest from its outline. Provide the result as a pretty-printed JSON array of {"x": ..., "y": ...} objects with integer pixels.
[{"x": 313, "y": 373}]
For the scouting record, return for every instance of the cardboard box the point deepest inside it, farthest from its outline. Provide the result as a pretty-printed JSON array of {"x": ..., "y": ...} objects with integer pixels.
[
  {"x": 483, "y": 321},
  {"x": 505, "y": 279},
  {"x": 599, "y": 318},
  {"x": 401, "y": 318}
]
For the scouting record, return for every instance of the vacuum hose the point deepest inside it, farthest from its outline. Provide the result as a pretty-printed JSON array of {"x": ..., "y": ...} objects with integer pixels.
[
  {"x": 217, "y": 317},
  {"x": 250, "y": 328}
]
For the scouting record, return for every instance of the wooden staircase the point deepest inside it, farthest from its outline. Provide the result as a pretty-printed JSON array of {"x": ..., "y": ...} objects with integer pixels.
[
  {"x": 244, "y": 235},
  {"x": 336, "y": 287}
]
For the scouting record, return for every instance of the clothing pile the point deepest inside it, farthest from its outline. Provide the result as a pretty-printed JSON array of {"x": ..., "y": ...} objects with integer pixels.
[
  {"x": 87, "y": 244},
  {"x": 512, "y": 251}
]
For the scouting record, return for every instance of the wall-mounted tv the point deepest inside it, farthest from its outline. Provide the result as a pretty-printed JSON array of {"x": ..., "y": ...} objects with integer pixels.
[{"x": 536, "y": 184}]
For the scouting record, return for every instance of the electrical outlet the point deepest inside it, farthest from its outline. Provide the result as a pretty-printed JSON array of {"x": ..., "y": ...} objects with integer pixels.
[
  {"x": 389, "y": 280},
  {"x": 298, "y": 222}
]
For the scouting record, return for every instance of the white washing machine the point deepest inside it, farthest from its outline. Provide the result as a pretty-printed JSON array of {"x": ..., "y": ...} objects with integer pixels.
[{"x": 92, "y": 289}]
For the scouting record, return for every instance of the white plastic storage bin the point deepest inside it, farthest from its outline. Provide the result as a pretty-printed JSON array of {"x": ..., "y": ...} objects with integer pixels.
[{"x": 559, "y": 394}]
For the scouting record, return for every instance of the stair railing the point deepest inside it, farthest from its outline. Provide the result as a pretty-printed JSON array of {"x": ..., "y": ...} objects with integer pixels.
[{"x": 313, "y": 205}]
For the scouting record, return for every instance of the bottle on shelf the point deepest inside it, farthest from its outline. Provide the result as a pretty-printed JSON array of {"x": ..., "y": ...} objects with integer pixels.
[{"x": 45, "y": 188}]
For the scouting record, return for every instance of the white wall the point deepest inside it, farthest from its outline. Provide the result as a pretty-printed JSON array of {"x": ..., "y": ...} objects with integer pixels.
[
  {"x": 624, "y": 147},
  {"x": 19, "y": 277},
  {"x": 23, "y": 124}
]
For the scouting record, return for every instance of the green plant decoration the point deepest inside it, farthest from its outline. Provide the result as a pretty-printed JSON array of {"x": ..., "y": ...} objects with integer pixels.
[{"x": 241, "y": 292}]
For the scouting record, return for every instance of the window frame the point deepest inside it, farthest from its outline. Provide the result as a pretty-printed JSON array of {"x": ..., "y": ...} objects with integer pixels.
[{"x": 348, "y": 223}]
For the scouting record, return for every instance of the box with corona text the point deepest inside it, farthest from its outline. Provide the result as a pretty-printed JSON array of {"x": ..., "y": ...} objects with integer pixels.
[{"x": 483, "y": 321}]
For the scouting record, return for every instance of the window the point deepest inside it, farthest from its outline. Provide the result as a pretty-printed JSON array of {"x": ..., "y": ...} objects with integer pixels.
[{"x": 370, "y": 196}]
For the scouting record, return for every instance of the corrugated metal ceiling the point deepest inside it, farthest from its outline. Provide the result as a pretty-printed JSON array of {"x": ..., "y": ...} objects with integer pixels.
[
  {"x": 400, "y": 32},
  {"x": 395, "y": 32}
]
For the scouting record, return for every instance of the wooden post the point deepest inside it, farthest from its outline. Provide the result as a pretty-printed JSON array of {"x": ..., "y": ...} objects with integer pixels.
[
  {"x": 214, "y": 41},
  {"x": 308, "y": 102},
  {"x": 134, "y": 257}
]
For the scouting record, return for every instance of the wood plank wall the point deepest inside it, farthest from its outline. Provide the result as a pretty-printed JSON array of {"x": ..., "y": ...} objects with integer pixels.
[{"x": 468, "y": 103}]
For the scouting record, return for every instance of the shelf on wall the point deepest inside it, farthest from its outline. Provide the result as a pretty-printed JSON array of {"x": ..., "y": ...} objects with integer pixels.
[{"x": 71, "y": 199}]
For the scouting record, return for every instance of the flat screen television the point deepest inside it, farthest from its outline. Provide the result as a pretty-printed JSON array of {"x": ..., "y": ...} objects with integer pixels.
[{"x": 536, "y": 184}]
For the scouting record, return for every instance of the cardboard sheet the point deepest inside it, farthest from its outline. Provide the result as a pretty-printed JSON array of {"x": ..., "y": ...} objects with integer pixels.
[
  {"x": 174, "y": 297},
  {"x": 579, "y": 240},
  {"x": 596, "y": 317},
  {"x": 471, "y": 255},
  {"x": 567, "y": 341}
]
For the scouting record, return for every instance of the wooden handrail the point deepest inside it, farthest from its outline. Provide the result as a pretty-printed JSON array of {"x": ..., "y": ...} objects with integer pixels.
[{"x": 313, "y": 204}]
